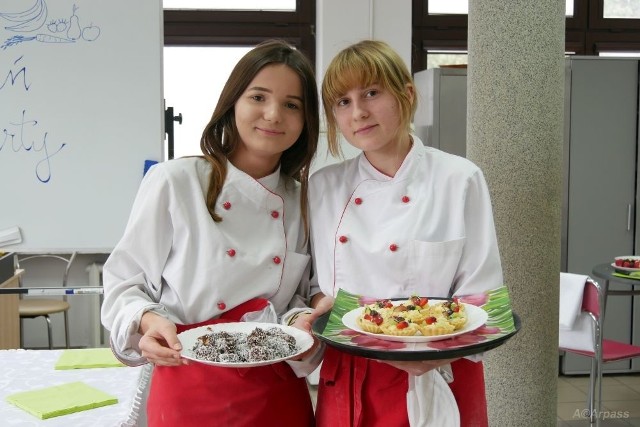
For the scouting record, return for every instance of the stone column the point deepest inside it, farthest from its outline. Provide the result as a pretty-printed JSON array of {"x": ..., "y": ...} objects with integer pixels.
[{"x": 515, "y": 134}]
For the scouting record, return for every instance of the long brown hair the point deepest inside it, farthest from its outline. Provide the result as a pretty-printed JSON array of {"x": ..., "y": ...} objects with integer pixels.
[{"x": 220, "y": 136}]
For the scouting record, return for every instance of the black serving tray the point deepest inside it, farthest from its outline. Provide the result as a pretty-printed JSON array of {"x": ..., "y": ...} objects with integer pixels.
[{"x": 501, "y": 325}]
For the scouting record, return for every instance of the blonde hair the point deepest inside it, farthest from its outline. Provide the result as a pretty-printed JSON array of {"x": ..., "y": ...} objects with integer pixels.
[{"x": 360, "y": 65}]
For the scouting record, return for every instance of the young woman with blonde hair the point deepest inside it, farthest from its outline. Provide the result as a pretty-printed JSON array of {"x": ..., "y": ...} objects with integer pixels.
[{"x": 400, "y": 219}]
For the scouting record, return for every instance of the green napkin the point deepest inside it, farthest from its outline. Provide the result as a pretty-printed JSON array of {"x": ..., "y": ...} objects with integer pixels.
[
  {"x": 82, "y": 358},
  {"x": 61, "y": 400}
]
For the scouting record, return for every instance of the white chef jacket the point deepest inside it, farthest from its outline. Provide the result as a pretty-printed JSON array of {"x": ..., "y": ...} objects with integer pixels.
[
  {"x": 175, "y": 260},
  {"x": 427, "y": 231}
]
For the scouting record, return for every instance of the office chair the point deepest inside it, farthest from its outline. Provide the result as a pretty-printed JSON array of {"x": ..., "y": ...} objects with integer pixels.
[
  {"x": 605, "y": 350},
  {"x": 31, "y": 308}
]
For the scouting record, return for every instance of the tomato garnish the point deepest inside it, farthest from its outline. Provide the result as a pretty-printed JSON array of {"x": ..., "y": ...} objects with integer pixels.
[
  {"x": 420, "y": 301},
  {"x": 403, "y": 324},
  {"x": 384, "y": 303}
]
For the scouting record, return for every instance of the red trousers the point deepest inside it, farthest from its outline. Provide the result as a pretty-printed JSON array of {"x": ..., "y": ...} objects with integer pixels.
[{"x": 359, "y": 392}]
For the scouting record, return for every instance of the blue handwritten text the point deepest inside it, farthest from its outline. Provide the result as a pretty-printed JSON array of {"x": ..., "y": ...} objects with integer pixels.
[{"x": 17, "y": 137}]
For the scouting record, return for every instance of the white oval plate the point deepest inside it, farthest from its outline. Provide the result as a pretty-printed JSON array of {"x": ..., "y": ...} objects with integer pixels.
[
  {"x": 188, "y": 338},
  {"x": 626, "y": 269},
  {"x": 476, "y": 317}
]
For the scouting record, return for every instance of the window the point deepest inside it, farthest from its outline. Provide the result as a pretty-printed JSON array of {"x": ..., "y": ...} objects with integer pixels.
[
  {"x": 268, "y": 5},
  {"x": 621, "y": 54},
  {"x": 444, "y": 7},
  {"x": 193, "y": 80},
  {"x": 621, "y": 9},
  {"x": 592, "y": 26},
  {"x": 461, "y": 7},
  {"x": 442, "y": 58},
  {"x": 203, "y": 41}
]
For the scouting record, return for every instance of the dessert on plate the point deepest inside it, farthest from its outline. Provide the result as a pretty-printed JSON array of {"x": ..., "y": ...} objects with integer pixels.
[{"x": 414, "y": 316}]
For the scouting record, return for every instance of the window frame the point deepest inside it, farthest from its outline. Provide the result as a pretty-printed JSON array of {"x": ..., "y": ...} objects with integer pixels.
[
  {"x": 580, "y": 15},
  {"x": 442, "y": 32},
  {"x": 242, "y": 28},
  {"x": 586, "y": 32}
]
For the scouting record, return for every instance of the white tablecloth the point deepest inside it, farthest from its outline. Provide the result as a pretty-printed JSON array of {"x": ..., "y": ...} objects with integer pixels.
[{"x": 26, "y": 370}]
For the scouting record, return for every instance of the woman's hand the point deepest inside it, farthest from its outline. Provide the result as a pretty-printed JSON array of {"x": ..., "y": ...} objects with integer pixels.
[
  {"x": 321, "y": 305},
  {"x": 304, "y": 321},
  {"x": 418, "y": 367},
  {"x": 159, "y": 342}
]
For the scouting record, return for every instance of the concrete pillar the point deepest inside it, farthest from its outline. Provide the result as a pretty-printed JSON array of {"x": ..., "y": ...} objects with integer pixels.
[{"x": 515, "y": 134}]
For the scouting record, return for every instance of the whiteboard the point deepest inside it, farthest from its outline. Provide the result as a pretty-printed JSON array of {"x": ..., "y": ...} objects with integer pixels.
[{"x": 81, "y": 110}]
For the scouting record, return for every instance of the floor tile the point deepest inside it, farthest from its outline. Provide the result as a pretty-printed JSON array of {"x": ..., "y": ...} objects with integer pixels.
[
  {"x": 619, "y": 392},
  {"x": 583, "y": 380},
  {"x": 630, "y": 380},
  {"x": 603, "y": 423},
  {"x": 621, "y": 409},
  {"x": 570, "y": 393},
  {"x": 572, "y": 411}
]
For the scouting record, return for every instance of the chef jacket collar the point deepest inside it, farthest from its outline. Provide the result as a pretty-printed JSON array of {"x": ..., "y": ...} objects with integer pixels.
[
  {"x": 270, "y": 182},
  {"x": 416, "y": 151}
]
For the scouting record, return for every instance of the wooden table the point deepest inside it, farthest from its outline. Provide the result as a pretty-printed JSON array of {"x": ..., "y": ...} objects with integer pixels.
[{"x": 9, "y": 316}]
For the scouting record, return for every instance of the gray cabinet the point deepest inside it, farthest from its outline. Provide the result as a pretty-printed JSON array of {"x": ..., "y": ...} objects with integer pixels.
[
  {"x": 600, "y": 181},
  {"x": 441, "y": 117}
]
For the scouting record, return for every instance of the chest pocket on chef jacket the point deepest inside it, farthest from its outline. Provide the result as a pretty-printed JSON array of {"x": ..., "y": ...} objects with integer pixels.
[{"x": 434, "y": 264}]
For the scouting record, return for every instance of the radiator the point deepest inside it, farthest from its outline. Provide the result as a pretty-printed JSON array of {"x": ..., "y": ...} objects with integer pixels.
[{"x": 99, "y": 336}]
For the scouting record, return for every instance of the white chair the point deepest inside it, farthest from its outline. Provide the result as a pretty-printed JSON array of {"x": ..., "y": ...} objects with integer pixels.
[
  {"x": 605, "y": 350},
  {"x": 31, "y": 308}
]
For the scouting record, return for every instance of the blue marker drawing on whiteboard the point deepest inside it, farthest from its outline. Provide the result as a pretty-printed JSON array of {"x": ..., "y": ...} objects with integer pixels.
[
  {"x": 60, "y": 30},
  {"x": 15, "y": 137},
  {"x": 44, "y": 38},
  {"x": 74, "y": 31},
  {"x": 13, "y": 76},
  {"x": 27, "y": 20}
]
